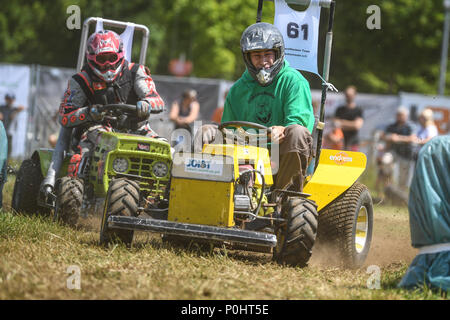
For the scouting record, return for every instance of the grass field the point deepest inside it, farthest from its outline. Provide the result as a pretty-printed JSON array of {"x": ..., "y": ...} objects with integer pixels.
[{"x": 38, "y": 255}]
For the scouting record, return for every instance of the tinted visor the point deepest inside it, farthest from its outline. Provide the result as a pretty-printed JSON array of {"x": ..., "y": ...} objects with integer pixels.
[{"x": 104, "y": 58}]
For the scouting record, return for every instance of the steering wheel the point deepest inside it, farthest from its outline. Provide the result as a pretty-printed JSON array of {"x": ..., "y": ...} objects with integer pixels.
[{"x": 242, "y": 134}]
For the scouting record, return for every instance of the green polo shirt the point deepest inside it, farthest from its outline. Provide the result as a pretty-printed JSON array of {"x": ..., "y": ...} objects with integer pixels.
[{"x": 286, "y": 101}]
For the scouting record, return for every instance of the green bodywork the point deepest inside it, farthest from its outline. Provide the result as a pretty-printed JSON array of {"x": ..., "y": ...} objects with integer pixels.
[{"x": 113, "y": 145}]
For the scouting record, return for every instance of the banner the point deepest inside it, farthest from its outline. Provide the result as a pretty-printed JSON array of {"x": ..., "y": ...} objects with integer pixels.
[
  {"x": 300, "y": 32},
  {"x": 16, "y": 79}
]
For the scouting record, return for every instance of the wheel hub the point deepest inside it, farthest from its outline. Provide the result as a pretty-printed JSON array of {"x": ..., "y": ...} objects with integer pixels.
[{"x": 361, "y": 230}]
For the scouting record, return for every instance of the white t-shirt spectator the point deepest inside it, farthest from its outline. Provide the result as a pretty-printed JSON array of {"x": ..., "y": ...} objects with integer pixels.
[{"x": 427, "y": 132}]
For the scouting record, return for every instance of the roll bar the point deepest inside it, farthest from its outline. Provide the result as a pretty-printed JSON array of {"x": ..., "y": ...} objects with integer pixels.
[{"x": 112, "y": 23}]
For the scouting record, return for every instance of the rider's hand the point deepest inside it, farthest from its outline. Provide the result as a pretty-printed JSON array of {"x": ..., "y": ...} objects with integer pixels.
[
  {"x": 277, "y": 134},
  {"x": 143, "y": 109},
  {"x": 95, "y": 114},
  {"x": 209, "y": 133}
]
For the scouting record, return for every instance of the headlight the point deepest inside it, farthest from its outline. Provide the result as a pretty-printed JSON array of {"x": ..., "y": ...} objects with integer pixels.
[
  {"x": 120, "y": 165},
  {"x": 160, "y": 169}
]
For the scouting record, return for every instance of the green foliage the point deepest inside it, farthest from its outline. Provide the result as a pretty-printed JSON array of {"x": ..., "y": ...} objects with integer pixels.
[{"x": 404, "y": 55}]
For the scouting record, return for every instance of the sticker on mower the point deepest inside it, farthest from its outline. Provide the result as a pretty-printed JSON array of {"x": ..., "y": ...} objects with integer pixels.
[
  {"x": 341, "y": 158},
  {"x": 203, "y": 166}
]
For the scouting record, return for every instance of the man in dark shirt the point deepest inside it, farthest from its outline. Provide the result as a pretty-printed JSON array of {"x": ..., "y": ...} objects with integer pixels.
[
  {"x": 350, "y": 119},
  {"x": 398, "y": 137},
  {"x": 7, "y": 114}
]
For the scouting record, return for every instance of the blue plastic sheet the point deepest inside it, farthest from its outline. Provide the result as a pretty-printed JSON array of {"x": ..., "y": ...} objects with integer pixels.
[
  {"x": 3, "y": 156},
  {"x": 429, "y": 213}
]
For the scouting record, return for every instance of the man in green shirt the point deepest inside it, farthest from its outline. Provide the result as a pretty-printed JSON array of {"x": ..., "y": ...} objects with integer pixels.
[{"x": 273, "y": 94}]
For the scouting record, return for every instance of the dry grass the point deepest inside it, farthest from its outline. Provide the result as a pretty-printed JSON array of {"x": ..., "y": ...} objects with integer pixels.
[{"x": 36, "y": 253}]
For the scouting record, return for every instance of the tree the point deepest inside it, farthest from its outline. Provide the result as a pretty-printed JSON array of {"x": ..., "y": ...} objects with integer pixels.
[{"x": 403, "y": 55}]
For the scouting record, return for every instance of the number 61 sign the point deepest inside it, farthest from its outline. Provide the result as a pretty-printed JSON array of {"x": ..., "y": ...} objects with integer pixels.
[{"x": 300, "y": 32}]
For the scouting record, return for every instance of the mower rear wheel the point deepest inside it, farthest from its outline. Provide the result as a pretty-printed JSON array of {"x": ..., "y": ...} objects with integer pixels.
[
  {"x": 69, "y": 198},
  {"x": 122, "y": 200},
  {"x": 26, "y": 188},
  {"x": 345, "y": 226},
  {"x": 296, "y": 237}
]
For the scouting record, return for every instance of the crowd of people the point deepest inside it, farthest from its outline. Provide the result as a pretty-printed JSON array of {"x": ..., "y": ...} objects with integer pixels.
[{"x": 399, "y": 142}]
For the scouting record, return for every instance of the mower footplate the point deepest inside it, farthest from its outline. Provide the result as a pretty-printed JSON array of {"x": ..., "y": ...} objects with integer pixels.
[{"x": 193, "y": 230}]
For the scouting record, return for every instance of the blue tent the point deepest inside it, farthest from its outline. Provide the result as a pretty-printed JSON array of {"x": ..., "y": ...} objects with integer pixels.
[
  {"x": 3, "y": 155},
  {"x": 429, "y": 215}
]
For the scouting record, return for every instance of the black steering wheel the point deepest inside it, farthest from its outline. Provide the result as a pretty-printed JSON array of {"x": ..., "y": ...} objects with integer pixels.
[{"x": 242, "y": 134}]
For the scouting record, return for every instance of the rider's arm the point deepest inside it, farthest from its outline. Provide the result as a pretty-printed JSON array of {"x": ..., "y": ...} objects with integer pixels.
[
  {"x": 146, "y": 90},
  {"x": 73, "y": 110},
  {"x": 297, "y": 104}
]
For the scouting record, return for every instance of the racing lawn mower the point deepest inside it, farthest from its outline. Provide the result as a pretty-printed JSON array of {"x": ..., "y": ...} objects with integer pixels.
[
  {"x": 135, "y": 167},
  {"x": 225, "y": 195}
]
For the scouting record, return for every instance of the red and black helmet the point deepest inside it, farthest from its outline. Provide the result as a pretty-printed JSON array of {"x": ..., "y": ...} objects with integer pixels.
[{"x": 105, "y": 54}]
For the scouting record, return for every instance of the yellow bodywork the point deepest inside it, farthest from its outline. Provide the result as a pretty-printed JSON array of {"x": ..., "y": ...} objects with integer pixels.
[
  {"x": 202, "y": 202},
  {"x": 205, "y": 200},
  {"x": 336, "y": 172}
]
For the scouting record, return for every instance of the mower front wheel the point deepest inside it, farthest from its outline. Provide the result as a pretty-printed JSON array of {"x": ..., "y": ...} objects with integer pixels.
[
  {"x": 296, "y": 237},
  {"x": 122, "y": 200},
  {"x": 69, "y": 198}
]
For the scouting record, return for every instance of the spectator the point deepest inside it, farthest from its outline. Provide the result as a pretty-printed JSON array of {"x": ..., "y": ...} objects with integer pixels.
[
  {"x": 429, "y": 218},
  {"x": 350, "y": 118},
  {"x": 333, "y": 136},
  {"x": 183, "y": 113},
  {"x": 427, "y": 128},
  {"x": 399, "y": 137},
  {"x": 3, "y": 157},
  {"x": 8, "y": 112}
]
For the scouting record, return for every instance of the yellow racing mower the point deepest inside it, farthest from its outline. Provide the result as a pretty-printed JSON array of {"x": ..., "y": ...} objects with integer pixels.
[{"x": 224, "y": 195}]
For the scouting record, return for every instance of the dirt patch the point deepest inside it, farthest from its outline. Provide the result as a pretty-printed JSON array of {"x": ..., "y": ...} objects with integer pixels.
[
  {"x": 391, "y": 237},
  {"x": 391, "y": 242}
]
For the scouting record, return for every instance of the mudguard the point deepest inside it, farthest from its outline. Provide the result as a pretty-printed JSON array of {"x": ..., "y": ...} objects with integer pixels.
[{"x": 337, "y": 171}]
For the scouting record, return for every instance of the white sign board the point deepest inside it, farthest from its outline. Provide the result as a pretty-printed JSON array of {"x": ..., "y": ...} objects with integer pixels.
[{"x": 300, "y": 30}]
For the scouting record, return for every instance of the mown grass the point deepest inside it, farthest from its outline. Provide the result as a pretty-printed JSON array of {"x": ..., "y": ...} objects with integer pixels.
[{"x": 35, "y": 254}]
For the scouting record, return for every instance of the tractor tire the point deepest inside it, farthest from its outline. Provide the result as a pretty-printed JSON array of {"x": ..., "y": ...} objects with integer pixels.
[
  {"x": 296, "y": 237},
  {"x": 69, "y": 199},
  {"x": 122, "y": 200},
  {"x": 26, "y": 189},
  {"x": 345, "y": 226}
]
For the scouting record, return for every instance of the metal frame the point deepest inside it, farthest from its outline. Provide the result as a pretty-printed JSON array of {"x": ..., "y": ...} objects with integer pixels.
[{"x": 112, "y": 23}]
